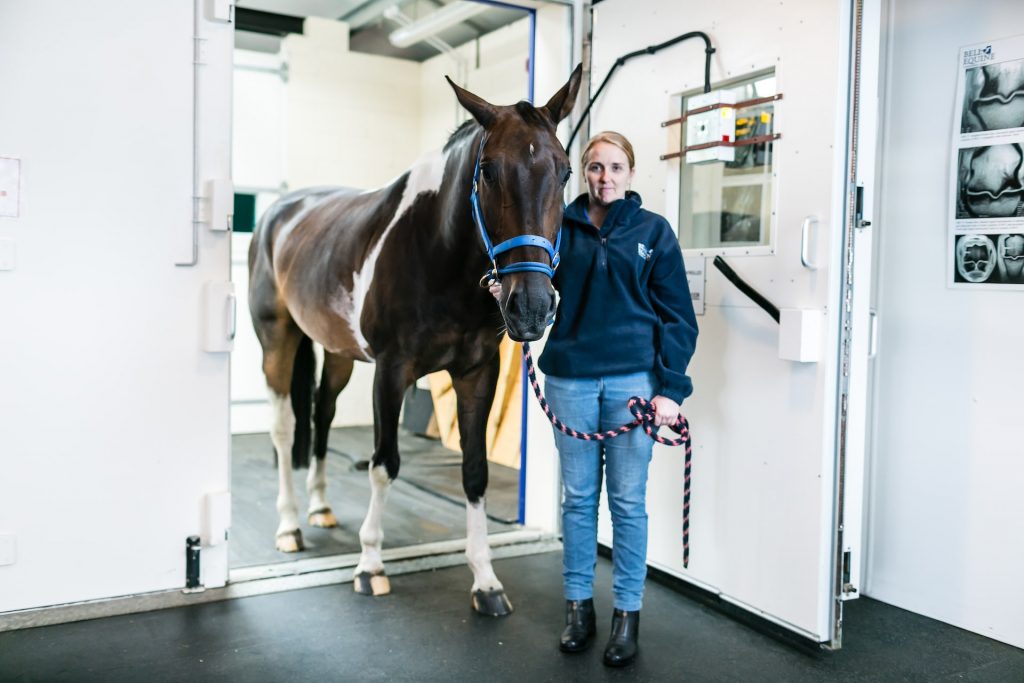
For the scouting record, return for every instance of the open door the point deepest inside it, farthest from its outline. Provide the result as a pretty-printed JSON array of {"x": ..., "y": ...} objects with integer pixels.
[
  {"x": 118, "y": 310},
  {"x": 777, "y": 427}
]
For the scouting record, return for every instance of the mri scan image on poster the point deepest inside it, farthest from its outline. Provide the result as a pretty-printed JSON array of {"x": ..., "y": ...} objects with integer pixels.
[{"x": 986, "y": 226}]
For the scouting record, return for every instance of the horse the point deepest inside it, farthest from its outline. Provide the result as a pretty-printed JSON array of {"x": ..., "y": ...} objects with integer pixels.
[{"x": 392, "y": 276}]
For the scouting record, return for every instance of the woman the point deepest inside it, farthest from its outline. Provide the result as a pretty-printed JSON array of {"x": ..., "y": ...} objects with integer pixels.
[{"x": 624, "y": 326}]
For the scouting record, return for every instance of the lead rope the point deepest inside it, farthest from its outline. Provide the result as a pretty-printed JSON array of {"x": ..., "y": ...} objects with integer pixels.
[{"x": 643, "y": 415}]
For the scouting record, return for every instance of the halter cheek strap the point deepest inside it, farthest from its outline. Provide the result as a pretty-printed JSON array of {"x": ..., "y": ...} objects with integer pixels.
[{"x": 496, "y": 272}]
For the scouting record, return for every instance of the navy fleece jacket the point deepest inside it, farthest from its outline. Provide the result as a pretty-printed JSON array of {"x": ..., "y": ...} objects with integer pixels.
[{"x": 624, "y": 303}]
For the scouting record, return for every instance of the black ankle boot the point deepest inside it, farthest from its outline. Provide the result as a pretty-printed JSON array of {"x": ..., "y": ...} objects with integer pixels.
[
  {"x": 579, "y": 625},
  {"x": 621, "y": 648}
]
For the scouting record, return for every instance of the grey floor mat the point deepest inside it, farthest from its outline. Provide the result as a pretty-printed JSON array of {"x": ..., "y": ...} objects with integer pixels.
[{"x": 426, "y": 504}]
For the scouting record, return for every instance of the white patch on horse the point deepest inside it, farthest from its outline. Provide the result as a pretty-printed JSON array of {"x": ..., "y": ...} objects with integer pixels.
[
  {"x": 316, "y": 485},
  {"x": 306, "y": 204},
  {"x": 282, "y": 433},
  {"x": 424, "y": 176},
  {"x": 371, "y": 534},
  {"x": 478, "y": 552},
  {"x": 531, "y": 149}
]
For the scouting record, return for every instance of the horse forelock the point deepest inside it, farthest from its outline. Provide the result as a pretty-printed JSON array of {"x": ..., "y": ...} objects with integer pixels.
[{"x": 533, "y": 116}]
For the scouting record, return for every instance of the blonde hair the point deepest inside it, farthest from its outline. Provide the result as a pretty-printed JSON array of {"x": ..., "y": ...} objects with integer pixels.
[{"x": 612, "y": 138}]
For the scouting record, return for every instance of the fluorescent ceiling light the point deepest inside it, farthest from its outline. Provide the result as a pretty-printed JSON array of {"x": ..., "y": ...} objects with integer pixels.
[{"x": 432, "y": 24}]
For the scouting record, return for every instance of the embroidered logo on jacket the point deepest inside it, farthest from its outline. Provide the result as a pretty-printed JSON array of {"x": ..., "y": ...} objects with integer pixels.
[{"x": 644, "y": 251}]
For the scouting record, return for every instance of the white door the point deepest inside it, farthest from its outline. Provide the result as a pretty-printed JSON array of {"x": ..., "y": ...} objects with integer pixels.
[
  {"x": 772, "y": 435},
  {"x": 114, "y": 441}
]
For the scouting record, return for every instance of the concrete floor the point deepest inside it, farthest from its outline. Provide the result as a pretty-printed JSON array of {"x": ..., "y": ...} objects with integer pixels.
[{"x": 425, "y": 631}]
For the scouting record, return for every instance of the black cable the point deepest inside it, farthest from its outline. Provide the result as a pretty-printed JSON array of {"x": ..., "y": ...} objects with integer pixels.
[
  {"x": 730, "y": 274},
  {"x": 650, "y": 50}
]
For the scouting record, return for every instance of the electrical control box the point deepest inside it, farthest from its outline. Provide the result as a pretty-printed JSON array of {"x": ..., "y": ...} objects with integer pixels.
[{"x": 711, "y": 127}]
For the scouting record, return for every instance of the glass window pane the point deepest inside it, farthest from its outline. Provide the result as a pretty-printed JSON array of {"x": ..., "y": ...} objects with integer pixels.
[{"x": 729, "y": 203}]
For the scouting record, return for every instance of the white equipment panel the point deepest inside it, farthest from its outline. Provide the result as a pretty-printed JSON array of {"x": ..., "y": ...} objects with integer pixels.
[{"x": 765, "y": 415}]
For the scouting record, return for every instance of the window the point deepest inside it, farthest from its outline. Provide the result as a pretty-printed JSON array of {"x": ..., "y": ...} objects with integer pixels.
[{"x": 728, "y": 205}]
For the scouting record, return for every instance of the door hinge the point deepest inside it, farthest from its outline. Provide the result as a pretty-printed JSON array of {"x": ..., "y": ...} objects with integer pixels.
[
  {"x": 848, "y": 588},
  {"x": 858, "y": 211}
]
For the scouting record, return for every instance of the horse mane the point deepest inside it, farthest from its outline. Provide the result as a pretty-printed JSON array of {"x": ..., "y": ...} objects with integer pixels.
[{"x": 463, "y": 131}]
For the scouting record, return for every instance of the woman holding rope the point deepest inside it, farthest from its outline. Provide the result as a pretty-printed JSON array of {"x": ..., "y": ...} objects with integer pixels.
[{"x": 624, "y": 326}]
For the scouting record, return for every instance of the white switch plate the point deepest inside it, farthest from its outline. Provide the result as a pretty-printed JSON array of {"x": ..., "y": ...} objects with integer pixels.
[
  {"x": 8, "y": 549},
  {"x": 800, "y": 334},
  {"x": 8, "y": 254},
  {"x": 219, "y": 10},
  {"x": 10, "y": 187}
]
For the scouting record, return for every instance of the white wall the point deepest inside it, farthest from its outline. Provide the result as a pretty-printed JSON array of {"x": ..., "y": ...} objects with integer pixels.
[
  {"x": 113, "y": 421},
  {"x": 500, "y": 77},
  {"x": 946, "y": 514},
  {"x": 353, "y": 118},
  {"x": 258, "y": 128}
]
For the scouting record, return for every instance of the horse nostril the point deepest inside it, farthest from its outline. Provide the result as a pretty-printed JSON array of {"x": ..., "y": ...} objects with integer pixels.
[{"x": 512, "y": 300}]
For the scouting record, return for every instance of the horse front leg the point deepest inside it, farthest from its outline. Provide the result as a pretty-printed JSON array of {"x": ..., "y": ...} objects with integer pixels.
[
  {"x": 475, "y": 394},
  {"x": 390, "y": 381}
]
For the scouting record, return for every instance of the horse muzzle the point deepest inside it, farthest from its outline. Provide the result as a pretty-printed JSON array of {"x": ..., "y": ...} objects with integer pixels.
[{"x": 528, "y": 307}]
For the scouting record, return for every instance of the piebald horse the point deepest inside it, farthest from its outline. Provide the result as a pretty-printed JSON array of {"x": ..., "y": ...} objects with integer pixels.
[{"x": 392, "y": 276}]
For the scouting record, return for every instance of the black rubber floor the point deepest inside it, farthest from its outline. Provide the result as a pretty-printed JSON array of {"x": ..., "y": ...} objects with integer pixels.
[
  {"x": 426, "y": 503},
  {"x": 425, "y": 631}
]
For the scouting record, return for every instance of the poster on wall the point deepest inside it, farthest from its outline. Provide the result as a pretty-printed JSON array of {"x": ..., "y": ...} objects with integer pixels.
[{"x": 985, "y": 245}]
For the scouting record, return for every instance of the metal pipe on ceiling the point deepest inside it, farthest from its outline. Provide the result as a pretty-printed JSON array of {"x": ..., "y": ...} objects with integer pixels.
[
  {"x": 367, "y": 12},
  {"x": 435, "y": 22}
]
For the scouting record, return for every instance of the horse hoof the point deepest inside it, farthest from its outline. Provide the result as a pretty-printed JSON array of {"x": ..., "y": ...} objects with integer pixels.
[
  {"x": 376, "y": 583},
  {"x": 492, "y": 603},
  {"x": 323, "y": 518},
  {"x": 290, "y": 541}
]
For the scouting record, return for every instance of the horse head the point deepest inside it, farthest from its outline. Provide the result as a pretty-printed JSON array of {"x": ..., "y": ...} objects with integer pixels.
[{"x": 519, "y": 177}]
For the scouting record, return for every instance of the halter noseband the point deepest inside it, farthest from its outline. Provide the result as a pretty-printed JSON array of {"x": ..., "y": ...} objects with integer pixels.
[{"x": 495, "y": 272}]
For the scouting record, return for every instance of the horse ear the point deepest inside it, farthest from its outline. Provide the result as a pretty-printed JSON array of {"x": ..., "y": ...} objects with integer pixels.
[
  {"x": 483, "y": 111},
  {"x": 559, "y": 106}
]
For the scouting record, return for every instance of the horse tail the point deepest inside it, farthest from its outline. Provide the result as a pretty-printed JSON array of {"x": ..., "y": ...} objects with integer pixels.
[{"x": 302, "y": 402}]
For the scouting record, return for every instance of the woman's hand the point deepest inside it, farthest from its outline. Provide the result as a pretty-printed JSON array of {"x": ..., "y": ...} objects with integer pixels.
[
  {"x": 495, "y": 289},
  {"x": 666, "y": 411}
]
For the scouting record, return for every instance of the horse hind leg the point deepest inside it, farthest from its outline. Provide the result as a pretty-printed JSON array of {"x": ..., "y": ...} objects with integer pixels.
[
  {"x": 337, "y": 371},
  {"x": 286, "y": 351},
  {"x": 475, "y": 393},
  {"x": 390, "y": 381}
]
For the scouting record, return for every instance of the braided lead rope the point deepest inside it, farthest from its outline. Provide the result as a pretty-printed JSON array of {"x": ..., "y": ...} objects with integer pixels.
[{"x": 643, "y": 415}]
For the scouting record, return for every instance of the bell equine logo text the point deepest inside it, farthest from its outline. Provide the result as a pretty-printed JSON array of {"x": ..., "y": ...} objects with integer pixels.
[{"x": 978, "y": 55}]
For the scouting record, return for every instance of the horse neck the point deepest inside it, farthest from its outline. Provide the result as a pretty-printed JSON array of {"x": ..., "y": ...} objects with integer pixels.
[{"x": 458, "y": 237}]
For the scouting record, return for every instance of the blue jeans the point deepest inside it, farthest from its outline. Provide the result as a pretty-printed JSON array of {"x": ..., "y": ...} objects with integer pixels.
[{"x": 590, "y": 405}]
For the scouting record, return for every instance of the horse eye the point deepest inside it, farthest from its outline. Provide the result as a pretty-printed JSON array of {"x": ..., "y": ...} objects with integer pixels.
[
  {"x": 566, "y": 175},
  {"x": 488, "y": 173}
]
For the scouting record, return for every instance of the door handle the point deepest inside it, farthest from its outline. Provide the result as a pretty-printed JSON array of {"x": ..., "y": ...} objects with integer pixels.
[
  {"x": 233, "y": 315},
  {"x": 872, "y": 334},
  {"x": 805, "y": 242}
]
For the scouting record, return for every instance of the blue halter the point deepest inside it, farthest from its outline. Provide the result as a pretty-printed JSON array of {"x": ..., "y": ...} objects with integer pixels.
[{"x": 495, "y": 272}]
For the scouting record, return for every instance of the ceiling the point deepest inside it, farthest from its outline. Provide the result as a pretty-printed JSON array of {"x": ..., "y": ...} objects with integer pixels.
[{"x": 269, "y": 20}]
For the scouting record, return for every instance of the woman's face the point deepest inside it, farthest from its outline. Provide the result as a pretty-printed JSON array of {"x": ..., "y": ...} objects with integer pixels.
[{"x": 608, "y": 173}]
